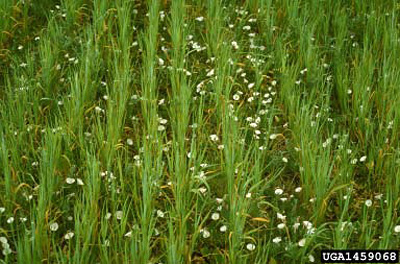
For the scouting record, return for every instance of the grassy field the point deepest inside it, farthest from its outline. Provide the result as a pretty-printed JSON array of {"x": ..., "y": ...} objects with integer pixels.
[{"x": 198, "y": 131}]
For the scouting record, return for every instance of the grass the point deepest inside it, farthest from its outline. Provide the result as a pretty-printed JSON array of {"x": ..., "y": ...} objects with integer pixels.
[{"x": 182, "y": 131}]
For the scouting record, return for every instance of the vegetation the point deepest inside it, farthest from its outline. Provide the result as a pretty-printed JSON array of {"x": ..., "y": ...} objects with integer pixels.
[{"x": 198, "y": 131}]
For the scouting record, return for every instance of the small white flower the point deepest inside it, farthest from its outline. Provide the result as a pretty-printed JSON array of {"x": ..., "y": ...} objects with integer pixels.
[
  {"x": 273, "y": 136},
  {"x": 54, "y": 227},
  {"x": 251, "y": 85},
  {"x": 69, "y": 235},
  {"x": 108, "y": 215},
  {"x": 363, "y": 158},
  {"x": 278, "y": 191},
  {"x": 253, "y": 125},
  {"x": 6, "y": 251},
  {"x": 70, "y": 180},
  {"x": 302, "y": 242},
  {"x": 119, "y": 214},
  {"x": 250, "y": 247},
  {"x": 129, "y": 234},
  {"x": 10, "y": 220},
  {"x": 307, "y": 224},
  {"x": 397, "y": 229},
  {"x": 161, "y": 128},
  {"x": 210, "y": 73},
  {"x": 281, "y": 216},
  {"x": 200, "y": 18},
  {"x": 368, "y": 203},
  {"x": 281, "y": 226},
  {"x": 160, "y": 62},
  {"x": 205, "y": 233},
  {"x": 2, "y": 209},
  {"x": 298, "y": 189},
  {"x": 248, "y": 195},
  {"x": 276, "y": 240},
  {"x": 236, "y": 97},
  {"x": 202, "y": 190},
  {"x": 79, "y": 181},
  {"x": 296, "y": 226},
  {"x": 284, "y": 159},
  {"x": 129, "y": 141},
  {"x": 214, "y": 137},
  {"x": 223, "y": 228},
  {"x": 215, "y": 216},
  {"x": 311, "y": 258},
  {"x": 219, "y": 200},
  {"x": 3, "y": 240},
  {"x": 160, "y": 213},
  {"x": 235, "y": 45}
]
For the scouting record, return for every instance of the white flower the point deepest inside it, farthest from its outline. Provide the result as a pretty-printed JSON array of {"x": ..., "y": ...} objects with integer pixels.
[
  {"x": 281, "y": 226},
  {"x": 69, "y": 235},
  {"x": 298, "y": 189},
  {"x": 296, "y": 226},
  {"x": 119, "y": 214},
  {"x": 311, "y": 258},
  {"x": 3, "y": 240},
  {"x": 214, "y": 137},
  {"x": 160, "y": 213},
  {"x": 161, "y": 128},
  {"x": 219, "y": 200},
  {"x": 397, "y": 229},
  {"x": 363, "y": 158},
  {"x": 160, "y": 62},
  {"x": 200, "y": 18},
  {"x": 215, "y": 216},
  {"x": 235, "y": 45},
  {"x": 251, "y": 85},
  {"x": 281, "y": 216},
  {"x": 2, "y": 209},
  {"x": 210, "y": 73},
  {"x": 273, "y": 136},
  {"x": 129, "y": 234},
  {"x": 79, "y": 182},
  {"x": 205, "y": 232},
  {"x": 70, "y": 180},
  {"x": 284, "y": 159},
  {"x": 202, "y": 190},
  {"x": 276, "y": 240},
  {"x": 236, "y": 97},
  {"x": 6, "y": 251},
  {"x": 307, "y": 224},
  {"x": 250, "y": 247},
  {"x": 278, "y": 191},
  {"x": 163, "y": 121},
  {"x": 223, "y": 228},
  {"x": 54, "y": 227},
  {"x": 302, "y": 242},
  {"x": 129, "y": 141},
  {"x": 248, "y": 195},
  {"x": 253, "y": 125},
  {"x": 10, "y": 220},
  {"x": 368, "y": 203}
]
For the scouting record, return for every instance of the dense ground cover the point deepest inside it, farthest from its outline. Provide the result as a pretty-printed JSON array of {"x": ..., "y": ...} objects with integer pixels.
[{"x": 199, "y": 131}]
